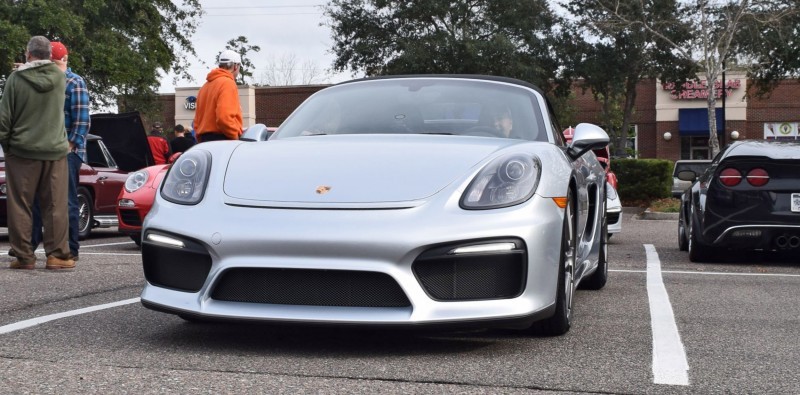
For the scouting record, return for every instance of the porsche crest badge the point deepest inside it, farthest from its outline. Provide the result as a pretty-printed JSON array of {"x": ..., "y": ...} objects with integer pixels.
[{"x": 323, "y": 189}]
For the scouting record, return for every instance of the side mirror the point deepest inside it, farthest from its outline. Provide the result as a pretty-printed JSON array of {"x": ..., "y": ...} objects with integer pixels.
[
  {"x": 687, "y": 175},
  {"x": 587, "y": 137},
  {"x": 257, "y": 132}
]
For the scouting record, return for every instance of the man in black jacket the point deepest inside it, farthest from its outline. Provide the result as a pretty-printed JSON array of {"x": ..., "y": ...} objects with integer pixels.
[{"x": 181, "y": 143}]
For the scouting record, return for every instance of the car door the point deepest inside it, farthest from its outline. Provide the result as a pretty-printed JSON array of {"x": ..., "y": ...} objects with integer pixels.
[{"x": 102, "y": 174}]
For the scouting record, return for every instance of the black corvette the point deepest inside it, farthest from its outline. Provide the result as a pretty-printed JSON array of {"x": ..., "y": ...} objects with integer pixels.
[{"x": 747, "y": 200}]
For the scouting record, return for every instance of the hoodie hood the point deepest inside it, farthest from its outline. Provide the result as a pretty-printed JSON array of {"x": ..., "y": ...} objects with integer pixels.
[
  {"x": 41, "y": 74},
  {"x": 219, "y": 73}
]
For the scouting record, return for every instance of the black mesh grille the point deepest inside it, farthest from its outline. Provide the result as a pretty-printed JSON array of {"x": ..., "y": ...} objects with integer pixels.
[
  {"x": 472, "y": 277},
  {"x": 183, "y": 269},
  {"x": 310, "y": 287},
  {"x": 130, "y": 217},
  {"x": 613, "y": 218}
]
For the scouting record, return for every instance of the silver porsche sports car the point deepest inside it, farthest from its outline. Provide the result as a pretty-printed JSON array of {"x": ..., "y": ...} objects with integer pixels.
[{"x": 398, "y": 201}]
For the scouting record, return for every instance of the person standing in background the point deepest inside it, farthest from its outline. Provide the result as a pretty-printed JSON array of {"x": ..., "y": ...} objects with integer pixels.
[
  {"x": 180, "y": 143},
  {"x": 77, "y": 123},
  {"x": 219, "y": 113},
  {"x": 159, "y": 146},
  {"x": 34, "y": 140}
]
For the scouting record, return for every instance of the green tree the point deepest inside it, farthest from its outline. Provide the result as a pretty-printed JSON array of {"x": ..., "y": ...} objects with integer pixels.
[
  {"x": 611, "y": 60},
  {"x": 240, "y": 45},
  {"x": 121, "y": 48},
  {"x": 497, "y": 37},
  {"x": 722, "y": 32}
]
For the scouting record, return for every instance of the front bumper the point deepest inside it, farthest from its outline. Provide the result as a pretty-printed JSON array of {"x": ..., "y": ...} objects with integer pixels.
[{"x": 375, "y": 242}]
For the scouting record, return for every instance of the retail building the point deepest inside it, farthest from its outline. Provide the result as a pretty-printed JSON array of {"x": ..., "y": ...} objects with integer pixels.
[{"x": 668, "y": 123}]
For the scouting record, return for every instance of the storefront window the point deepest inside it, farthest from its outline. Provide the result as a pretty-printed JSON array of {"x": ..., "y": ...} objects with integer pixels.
[
  {"x": 632, "y": 145},
  {"x": 694, "y": 147}
]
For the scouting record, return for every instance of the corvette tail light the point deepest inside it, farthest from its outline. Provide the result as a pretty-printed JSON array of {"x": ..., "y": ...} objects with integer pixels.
[
  {"x": 758, "y": 177},
  {"x": 730, "y": 177}
]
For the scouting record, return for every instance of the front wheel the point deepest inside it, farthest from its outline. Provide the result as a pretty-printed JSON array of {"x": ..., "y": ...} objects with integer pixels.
[
  {"x": 561, "y": 321},
  {"x": 698, "y": 252},
  {"x": 85, "y": 217},
  {"x": 683, "y": 240}
]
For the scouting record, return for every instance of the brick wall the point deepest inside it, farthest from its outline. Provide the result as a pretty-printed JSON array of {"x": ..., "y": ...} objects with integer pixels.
[
  {"x": 275, "y": 103},
  {"x": 781, "y": 105}
]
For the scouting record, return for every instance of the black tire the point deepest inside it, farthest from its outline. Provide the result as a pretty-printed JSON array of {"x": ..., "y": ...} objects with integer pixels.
[
  {"x": 683, "y": 238},
  {"x": 598, "y": 279},
  {"x": 561, "y": 321},
  {"x": 698, "y": 252},
  {"x": 85, "y": 216},
  {"x": 137, "y": 239}
]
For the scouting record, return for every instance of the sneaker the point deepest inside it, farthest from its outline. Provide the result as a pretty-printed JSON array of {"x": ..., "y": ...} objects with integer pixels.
[
  {"x": 55, "y": 263},
  {"x": 16, "y": 264},
  {"x": 74, "y": 256},
  {"x": 12, "y": 253}
]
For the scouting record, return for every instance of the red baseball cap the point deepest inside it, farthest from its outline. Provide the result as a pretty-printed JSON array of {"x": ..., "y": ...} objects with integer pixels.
[{"x": 58, "y": 51}]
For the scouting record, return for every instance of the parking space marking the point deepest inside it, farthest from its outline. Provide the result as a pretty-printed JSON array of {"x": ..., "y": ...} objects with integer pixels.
[
  {"x": 669, "y": 357},
  {"x": 710, "y": 273},
  {"x": 41, "y": 320}
]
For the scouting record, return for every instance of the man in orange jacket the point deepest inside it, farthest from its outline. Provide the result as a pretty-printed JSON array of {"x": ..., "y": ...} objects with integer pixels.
[{"x": 219, "y": 115}]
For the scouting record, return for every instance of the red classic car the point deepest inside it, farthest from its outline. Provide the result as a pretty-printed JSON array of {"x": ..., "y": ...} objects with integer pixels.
[{"x": 114, "y": 148}]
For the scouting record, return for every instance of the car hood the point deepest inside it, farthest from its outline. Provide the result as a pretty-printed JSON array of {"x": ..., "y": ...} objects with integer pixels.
[
  {"x": 353, "y": 168},
  {"x": 126, "y": 139}
]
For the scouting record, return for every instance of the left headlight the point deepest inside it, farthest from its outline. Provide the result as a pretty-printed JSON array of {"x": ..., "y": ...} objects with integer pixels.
[
  {"x": 136, "y": 180},
  {"x": 505, "y": 181},
  {"x": 187, "y": 178}
]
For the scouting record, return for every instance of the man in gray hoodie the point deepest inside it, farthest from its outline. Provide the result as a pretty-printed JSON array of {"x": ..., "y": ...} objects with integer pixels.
[{"x": 34, "y": 140}]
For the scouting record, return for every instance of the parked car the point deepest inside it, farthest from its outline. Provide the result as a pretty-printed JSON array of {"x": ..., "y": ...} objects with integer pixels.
[
  {"x": 698, "y": 166},
  {"x": 613, "y": 201},
  {"x": 102, "y": 177},
  {"x": 386, "y": 201},
  {"x": 748, "y": 199},
  {"x": 613, "y": 210},
  {"x": 136, "y": 197}
]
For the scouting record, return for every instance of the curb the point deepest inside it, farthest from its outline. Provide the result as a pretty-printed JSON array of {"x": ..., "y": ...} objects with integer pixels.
[{"x": 657, "y": 216}]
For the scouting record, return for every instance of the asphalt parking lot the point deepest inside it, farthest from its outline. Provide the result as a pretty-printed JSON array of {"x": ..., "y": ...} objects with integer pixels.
[{"x": 661, "y": 325}]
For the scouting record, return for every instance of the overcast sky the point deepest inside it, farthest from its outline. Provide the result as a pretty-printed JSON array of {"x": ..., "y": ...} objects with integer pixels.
[{"x": 279, "y": 27}]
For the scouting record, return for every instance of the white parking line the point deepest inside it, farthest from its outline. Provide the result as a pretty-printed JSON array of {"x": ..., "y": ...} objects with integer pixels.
[
  {"x": 710, "y": 273},
  {"x": 41, "y": 320},
  {"x": 669, "y": 357},
  {"x": 41, "y": 250}
]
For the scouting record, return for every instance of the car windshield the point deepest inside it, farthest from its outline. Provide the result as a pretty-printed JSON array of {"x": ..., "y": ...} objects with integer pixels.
[
  {"x": 697, "y": 168},
  {"x": 420, "y": 106}
]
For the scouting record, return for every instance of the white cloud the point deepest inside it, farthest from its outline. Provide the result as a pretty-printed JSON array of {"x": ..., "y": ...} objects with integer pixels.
[{"x": 279, "y": 27}]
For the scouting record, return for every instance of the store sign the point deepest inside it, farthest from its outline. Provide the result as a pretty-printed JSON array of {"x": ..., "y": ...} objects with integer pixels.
[
  {"x": 191, "y": 103},
  {"x": 781, "y": 131},
  {"x": 698, "y": 90}
]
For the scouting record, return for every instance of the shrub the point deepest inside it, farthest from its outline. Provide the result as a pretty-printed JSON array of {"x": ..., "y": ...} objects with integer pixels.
[{"x": 643, "y": 180}]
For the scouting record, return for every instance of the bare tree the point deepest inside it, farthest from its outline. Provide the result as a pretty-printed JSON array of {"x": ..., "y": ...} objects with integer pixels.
[
  {"x": 714, "y": 25},
  {"x": 286, "y": 70}
]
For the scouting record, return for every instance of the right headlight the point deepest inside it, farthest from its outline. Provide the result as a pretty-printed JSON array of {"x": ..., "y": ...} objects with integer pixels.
[
  {"x": 187, "y": 178},
  {"x": 505, "y": 181}
]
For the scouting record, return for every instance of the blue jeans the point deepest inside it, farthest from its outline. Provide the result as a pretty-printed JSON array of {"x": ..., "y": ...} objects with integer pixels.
[{"x": 74, "y": 167}]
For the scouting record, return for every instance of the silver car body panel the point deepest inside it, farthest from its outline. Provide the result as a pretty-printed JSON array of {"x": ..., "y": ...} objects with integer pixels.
[{"x": 391, "y": 198}]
